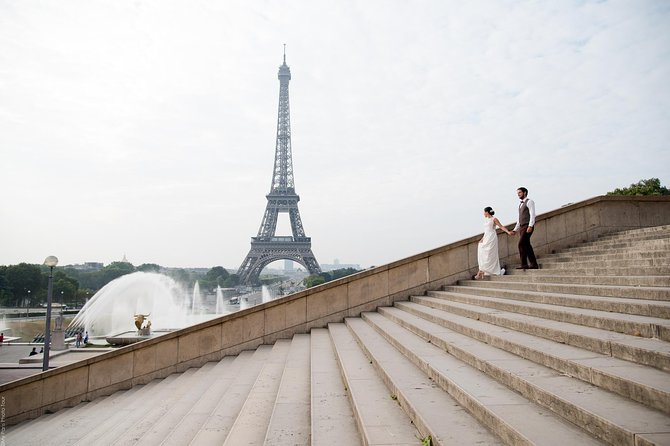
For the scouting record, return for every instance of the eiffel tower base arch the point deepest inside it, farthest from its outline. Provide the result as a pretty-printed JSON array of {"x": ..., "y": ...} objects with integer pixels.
[{"x": 262, "y": 253}]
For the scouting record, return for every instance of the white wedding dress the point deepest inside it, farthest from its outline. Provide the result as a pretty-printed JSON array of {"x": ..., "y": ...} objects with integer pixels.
[{"x": 487, "y": 251}]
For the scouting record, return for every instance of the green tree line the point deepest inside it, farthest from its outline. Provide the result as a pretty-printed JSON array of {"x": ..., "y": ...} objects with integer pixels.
[
  {"x": 652, "y": 186},
  {"x": 26, "y": 284},
  {"x": 318, "y": 279}
]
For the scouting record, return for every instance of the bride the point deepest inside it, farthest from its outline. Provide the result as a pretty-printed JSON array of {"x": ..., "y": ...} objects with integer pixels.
[{"x": 487, "y": 251}]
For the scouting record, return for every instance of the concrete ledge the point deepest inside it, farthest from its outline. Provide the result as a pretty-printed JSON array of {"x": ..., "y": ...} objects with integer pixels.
[{"x": 314, "y": 308}]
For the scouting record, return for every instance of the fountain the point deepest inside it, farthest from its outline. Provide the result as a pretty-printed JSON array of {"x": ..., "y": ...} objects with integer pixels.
[
  {"x": 267, "y": 294},
  {"x": 112, "y": 312},
  {"x": 219, "y": 300},
  {"x": 196, "y": 302}
]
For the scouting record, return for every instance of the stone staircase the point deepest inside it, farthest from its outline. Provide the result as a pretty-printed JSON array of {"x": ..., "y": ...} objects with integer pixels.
[{"x": 576, "y": 352}]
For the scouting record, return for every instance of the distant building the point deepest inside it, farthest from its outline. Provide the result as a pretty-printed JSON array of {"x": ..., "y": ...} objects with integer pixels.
[
  {"x": 337, "y": 265},
  {"x": 87, "y": 266}
]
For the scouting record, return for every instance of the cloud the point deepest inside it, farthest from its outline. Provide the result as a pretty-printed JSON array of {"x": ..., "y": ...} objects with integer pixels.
[{"x": 149, "y": 128}]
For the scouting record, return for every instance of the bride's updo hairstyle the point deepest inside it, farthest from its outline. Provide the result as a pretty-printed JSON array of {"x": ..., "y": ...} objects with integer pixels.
[{"x": 489, "y": 210}]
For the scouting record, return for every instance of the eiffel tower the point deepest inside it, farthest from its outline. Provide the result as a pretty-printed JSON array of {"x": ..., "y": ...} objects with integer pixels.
[{"x": 266, "y": 247}]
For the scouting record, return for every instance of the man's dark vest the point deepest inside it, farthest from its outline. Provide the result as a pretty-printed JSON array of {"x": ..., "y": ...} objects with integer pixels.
[{"x": 524, "y": 215}]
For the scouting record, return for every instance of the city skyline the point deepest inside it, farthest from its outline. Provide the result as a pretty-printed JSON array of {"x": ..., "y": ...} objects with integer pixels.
[{"x": 148, "y": 129}]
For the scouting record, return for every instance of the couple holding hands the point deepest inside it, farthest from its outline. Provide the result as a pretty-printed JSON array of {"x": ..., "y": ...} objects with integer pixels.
[{"x": 487, "y": 251}]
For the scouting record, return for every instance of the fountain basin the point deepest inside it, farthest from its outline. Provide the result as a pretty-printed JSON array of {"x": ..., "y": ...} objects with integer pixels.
[{"x": 131, "y": 337}]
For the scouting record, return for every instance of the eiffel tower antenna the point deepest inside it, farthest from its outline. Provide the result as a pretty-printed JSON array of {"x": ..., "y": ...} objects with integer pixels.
[{"x": 266, "y": 247}]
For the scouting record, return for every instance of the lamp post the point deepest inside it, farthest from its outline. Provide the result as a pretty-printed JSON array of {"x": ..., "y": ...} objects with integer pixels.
[{"x": 50, "y": 261}]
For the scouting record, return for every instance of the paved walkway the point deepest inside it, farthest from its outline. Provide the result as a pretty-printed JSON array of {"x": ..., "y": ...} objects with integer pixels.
[{"x": 11, "y": 370}]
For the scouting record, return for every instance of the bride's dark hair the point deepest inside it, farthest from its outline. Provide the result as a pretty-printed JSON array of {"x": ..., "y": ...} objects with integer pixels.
[{"x": 489, "y": 210}]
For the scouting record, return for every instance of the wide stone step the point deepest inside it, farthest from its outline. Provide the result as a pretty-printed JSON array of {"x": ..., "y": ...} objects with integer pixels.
[
  {"x": 651, "y": 242},
  {"x": 380, "y": 419},
  {"x": 220, "y": 380},
  {"x": 651, "y": 352},
  {"x": 578, "y": 263},
  {"x": 332, "y": 417},
  {"x": 648, "y": 229},
  {"x": 251, "y": 424},
  {"x": 161, "y": 430},
  {"x": 609, "y": 417},
  {"x": 426, "y": 404},
  {"x": 643, "y": 384},
  {"x": 162, "y": 409},
  {"x": 290, "y": 421},
  {"x": 220, "y": 420},
  {"x": 108, "y": 419},
  {"x": 36, "y": 431},
  {"x": 131, "y": 415},
  {"x": 623, "y": 241},
  {"x": 597, "y": 270},
  {"x": 645, "y": 326},
  {"x": 642, "y": 307},
  {"x": 597, "y": 256},
  {"x": 641, "y": 233},
  {"x": 615, "y": 249},
  {"x": 61, "y": 426},
  {"x": 624, "y": 281},
  {"x": 515, "y": 419},
  {"x": 631, "y": 292}
]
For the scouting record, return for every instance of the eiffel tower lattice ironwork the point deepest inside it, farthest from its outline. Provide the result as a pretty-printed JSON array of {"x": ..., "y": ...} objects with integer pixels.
[{"x": 266, "y": 247}]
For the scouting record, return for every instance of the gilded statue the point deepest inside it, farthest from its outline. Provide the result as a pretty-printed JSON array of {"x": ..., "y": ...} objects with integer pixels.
[{"x": 139, "y": 320}]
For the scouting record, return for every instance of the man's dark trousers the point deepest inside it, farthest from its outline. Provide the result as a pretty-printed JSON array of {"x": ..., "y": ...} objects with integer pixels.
[{"x": 526, "y": 252}]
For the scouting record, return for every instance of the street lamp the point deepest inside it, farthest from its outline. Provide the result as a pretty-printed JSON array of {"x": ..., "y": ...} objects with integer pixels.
[{"x": 50, "y": 261}]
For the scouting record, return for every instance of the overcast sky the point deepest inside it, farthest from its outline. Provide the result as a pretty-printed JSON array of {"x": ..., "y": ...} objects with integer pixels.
[{"x": 148, "y": 128}]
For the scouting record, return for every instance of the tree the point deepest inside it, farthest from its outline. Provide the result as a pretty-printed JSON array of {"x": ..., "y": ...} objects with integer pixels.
[
  {"x": 23, "y": 280},
  {"x": 214, "y": 277},
  {"x": 217, "y": 273},
  {"x": 149, "y": 268},
  {"x": 231, "y": 281},
  {"x": 314, "y": 280},
  {"x": 65, "y": 287},
  {"x": 652, "y": 186},
  {"x": 327, "y": 276},
  {"x": 5, "y": 293},
  {"x": 180, "y": 275}
]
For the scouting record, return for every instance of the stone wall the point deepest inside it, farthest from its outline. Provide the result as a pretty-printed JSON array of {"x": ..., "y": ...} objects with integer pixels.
[{"x": 316, "y": 307}]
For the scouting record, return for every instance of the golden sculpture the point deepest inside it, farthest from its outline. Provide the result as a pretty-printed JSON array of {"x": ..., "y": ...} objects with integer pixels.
[{"x": 139, "y": 320}]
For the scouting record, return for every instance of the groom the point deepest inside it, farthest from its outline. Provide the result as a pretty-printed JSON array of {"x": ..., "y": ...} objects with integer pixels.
[{"x": 524, "y": 226}]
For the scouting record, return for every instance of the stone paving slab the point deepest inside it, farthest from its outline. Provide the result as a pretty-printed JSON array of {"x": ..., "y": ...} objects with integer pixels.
[
  {"x": 381, "y": 420},
  {"x": 332, "y": 417},
  {"x": 290, "y": 422}
]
